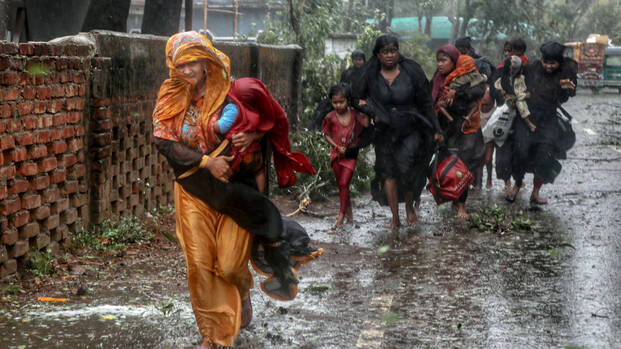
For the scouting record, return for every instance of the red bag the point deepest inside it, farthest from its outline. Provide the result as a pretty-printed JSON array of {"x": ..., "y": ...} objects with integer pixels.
[{"x": 449, "y": 179}]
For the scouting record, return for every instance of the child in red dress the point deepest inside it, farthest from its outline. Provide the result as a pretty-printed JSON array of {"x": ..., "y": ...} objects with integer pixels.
[{"x": 341, "y": 127}]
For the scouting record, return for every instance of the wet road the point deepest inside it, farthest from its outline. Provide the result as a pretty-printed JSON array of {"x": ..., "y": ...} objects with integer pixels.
[{"x": 545, "y": 277}]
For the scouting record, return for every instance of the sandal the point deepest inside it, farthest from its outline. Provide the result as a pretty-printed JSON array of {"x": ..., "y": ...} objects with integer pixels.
[
  {"x": 511, "y": 197},
  {"x": 538, "y": 201}
]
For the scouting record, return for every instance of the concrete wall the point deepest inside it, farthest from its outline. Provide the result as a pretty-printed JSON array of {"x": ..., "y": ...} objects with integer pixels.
[{"x": 76, "y": 131}]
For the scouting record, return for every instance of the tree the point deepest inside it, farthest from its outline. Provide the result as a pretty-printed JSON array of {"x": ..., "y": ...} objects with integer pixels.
[
  {"x": 107, "y": 15},
  {"x": 161, "y": 17}
]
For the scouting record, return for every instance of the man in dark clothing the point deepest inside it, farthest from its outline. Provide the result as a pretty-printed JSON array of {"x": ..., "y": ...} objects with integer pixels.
[{"x": 484, "y": 66}]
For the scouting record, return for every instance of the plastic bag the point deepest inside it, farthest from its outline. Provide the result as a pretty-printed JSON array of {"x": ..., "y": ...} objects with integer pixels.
[{"x": 499, "y": 124}]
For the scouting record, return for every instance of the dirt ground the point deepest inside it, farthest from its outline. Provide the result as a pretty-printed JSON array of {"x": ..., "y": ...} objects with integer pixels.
[{"x": 517, "y": 277}]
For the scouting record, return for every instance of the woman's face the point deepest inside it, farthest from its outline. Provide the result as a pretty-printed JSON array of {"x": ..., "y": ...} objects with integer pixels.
[
  {"x": 550, "y": 66},
  {"x": 388, "y": 56},
  {"x": 444, "y": 63},
  {"x": 194, "y": 70}
]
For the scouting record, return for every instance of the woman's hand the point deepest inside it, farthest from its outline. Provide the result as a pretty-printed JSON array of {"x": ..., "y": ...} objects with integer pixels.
[
  {"x": 243, "y": 140},
  {"x": 438, "y": 137},
  {"x": 362, "y": 102},
  {"x": 219, "y": 167},
  {"x": 567, "y": 84},
  {"x": 341, "y": 149}
]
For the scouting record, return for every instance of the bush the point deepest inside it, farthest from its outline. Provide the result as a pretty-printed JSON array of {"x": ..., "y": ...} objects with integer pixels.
[
  {"x": 41, "y": 262},
  {"x": 112, "y": 234}
]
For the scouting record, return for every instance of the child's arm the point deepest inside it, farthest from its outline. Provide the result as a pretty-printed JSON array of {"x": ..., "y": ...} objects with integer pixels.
[
  {"x": 521, "y": 94},
  {"x": 338, "y": 148},
  {"x": 227, "y": 119}
]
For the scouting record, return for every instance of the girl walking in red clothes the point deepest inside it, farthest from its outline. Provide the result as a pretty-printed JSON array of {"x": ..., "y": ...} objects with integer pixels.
[{"x": 341, "y": 127}]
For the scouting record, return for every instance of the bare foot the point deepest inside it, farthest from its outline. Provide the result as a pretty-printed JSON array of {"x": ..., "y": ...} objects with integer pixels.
[
  {"x": 477, "y": 187},
  {"x": 488, "y": 184},
  {"x": 537, "y": 200},
  {"x": 394, "y": 225},
  {"x": 417, "y": 204},
  {"x": 339, "y": 221},
  {"x": 411, "y": 217},
  {"x": 461, "y": 210}
]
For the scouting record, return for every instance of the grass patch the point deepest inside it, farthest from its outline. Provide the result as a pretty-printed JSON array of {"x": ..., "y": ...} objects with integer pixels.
[
  {"x": 11, "y": 288},
  {"x": 112, "y": 234},
  {"x": 317, "y": 289},
  {"x": 41, "y": 262}
]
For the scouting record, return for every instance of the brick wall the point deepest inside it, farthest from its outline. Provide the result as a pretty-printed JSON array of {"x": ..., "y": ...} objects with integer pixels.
[
  {"x": 76, "y": 131},
  {"x": 43, "y": 187}
]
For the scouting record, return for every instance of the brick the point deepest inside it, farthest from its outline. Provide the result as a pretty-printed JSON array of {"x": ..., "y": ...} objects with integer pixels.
[
  {"x": 55, "y": 135},
  {"x": 77, "y": 171},
  {"x": 44, "y": 92},
  {"x": 53, "y": 247},
  {"x": 68, "y": 132},
  {"x": 8, "y": 47},
  {"x": 13, "y": 126},
  {"x": 9, "y": 78},
  {"x": 79, "y": 130},
  {"x": 48, "y": 164},
  {"x": 57, "y": 91},
  {"x": 25, "y": 108},
  {"x": 79, "y": 200},
  {"x": 24, "y": 79},
  {"x": 42, "y": 241},
  {"x": 9, "y": 237},
  {"x": 7, "y": 268},
  {"x": 40, "y": 182},
  {"x": 69, "y": 216},
  {"x": 42, "y": 136},
  {"x": 50, "y": 195},
  {"x": 37, "y": 151},
  {"x": 30, "y": 122},
  {"x": 60, "y": 205},
  {"x": 54, "y": 106},
  {"x": 26, "y": 49},
  {"x": 30, "y": 201},
  {"x": 40, "y": 213},
  {"x": 70, "y": 187},
  {"x": 68, "y": 160},
  {"x": 19, "y": 186},
  {"x": 4, "y": 62},
  {"x": 8, "y": 172},
  {"x": 18, "y": 249},
  {"x": 78, "y": 78},
  {"x": 41, "y": 48},
  {"x": 10, "y": 94},
  {"x": 20, "y": 218},
  {"x": 7, "y": 142},
  {"x": 39, "y": 107},
  {"x": 29, "y": 230},
  {"x": 4, "y": 192},
  {"x": 29, "y": 92},
  {"x": 27, "y": 169},
  {"x": 58, "y": 176},
  {"x": 25, "y": 138},
  {"x": 51, "y": 222},
  {"x": 75, "y": 145},
  {"x": 74, "y": 117},
  {"x": 7, "y": 110},
  {"x": 60, "y": 119},
  {"x": 10, "y": 206},
  {"x": 57, "y": 148},
  {"x": 17, "y": 155}
]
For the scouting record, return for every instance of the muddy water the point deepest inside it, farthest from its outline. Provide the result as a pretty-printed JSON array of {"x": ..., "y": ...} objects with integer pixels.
[{"x": 440, "y": 284}]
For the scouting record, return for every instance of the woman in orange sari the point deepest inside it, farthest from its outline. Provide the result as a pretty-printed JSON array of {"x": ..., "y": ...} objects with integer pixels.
[{"x": 222, "y": 221}]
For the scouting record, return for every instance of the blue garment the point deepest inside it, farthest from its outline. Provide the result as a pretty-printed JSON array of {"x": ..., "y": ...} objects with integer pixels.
[{"x": 229, "y": 115}]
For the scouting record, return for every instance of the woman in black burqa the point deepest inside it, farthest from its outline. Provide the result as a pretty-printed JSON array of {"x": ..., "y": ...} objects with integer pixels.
[
  {"x": 550, "y": 81},
  {"x": 395, "y": 92}
]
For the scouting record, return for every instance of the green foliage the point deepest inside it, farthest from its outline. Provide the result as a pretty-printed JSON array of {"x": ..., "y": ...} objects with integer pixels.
[
  {"x": 416, "y": 47},
  {"x": 318, "y": 75},
  {"x": 112, "y": 234},
  {"x": 495, "y": 220},
  {"x": 11, "y": 288},
  {"x": 41, "y": 262},
  {"x": 316, "y": 289}
]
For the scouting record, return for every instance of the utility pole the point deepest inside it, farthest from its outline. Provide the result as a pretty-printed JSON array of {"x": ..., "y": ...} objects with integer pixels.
[
  {"x": 205, "y": 16},
  {"x": 188, "y": 15}
]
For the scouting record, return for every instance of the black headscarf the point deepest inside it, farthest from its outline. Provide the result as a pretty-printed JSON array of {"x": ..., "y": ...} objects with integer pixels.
[
  {"x": 358, "y": 53},
  {"x": 552, "y": 51}
]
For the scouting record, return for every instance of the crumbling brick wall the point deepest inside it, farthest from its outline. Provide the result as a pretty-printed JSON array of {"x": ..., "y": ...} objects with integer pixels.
[
  {"x": 76, "y": 131},
  {"x": 43, "y": 187}
]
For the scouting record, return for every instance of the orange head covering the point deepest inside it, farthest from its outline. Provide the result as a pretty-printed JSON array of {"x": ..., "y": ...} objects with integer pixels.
[
  {"x": 175, "y": 93},
  {"x": 465, "y": 64}
]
